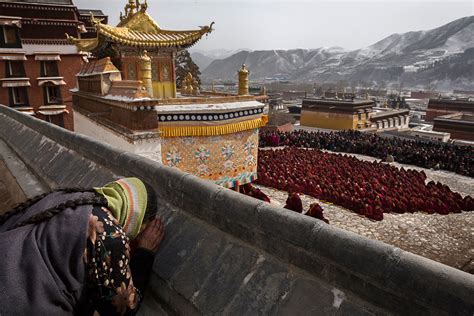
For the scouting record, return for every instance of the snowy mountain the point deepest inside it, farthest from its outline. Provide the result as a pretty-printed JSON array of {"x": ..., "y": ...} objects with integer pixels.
[
  {"x": 420, "y": 58},
  {"x": 201, "y": 60},
  {"x": 204, "y": 58}
]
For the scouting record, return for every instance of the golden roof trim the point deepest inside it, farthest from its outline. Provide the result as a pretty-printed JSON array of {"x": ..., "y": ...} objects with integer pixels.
[
  {"x": 83, "y": 45},
  {"x": 137, "y": 28},
  {"x": 162, "y": 38}
]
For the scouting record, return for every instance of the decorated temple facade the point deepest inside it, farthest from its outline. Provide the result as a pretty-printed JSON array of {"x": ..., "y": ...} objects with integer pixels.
[
  {"x": 336, "y": 113},
  {"x": 127, "y": 96},
  {"x": 138, "y": 34}
]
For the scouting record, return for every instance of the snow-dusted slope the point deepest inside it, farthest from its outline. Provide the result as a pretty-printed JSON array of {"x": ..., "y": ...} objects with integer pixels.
[{"x": 408, "y": 55}]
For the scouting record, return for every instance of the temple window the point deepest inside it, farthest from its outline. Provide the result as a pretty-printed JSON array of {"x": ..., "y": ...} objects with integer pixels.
[
  {"x": 10, "y": 35},
  {"x": 49, "y": 69},
  {"x": 166, "y": 72},
  {"x": 18, "y": 96},
  {"x": 155, "y": 75},
  {"x": 131, "y": 71},
  {"x": 52, "y": 94},
  {"x": 15, "y": 69}
]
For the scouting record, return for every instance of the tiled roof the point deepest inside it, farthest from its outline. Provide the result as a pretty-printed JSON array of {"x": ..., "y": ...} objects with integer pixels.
[
  {"x": 162, "y": 38},
  {"x": 140, "y": 30}
]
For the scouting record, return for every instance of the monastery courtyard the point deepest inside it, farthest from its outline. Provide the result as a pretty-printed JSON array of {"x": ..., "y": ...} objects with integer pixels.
[{"x": 448, "y": 239}]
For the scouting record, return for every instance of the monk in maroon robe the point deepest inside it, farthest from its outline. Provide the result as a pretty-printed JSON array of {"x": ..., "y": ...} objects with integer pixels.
[
  {"x": 256, "y": 193},
  {"x": 316, "y": 211},
  {"x": 293, "y": 202}
]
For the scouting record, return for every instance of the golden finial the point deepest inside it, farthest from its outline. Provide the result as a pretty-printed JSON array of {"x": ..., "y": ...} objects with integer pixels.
[
  {"x": 195, "y": 85},
  {"x": 243, "y": 80},
  {"x": 187, "y": 85},
  {"x": 144, "y": 55},
  {"x": 243, "y": 69},
  {"x": 143, "y": 6},
  {"x": 130, "y": 8}
]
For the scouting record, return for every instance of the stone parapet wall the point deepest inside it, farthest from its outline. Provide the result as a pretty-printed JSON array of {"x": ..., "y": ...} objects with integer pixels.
[
  {"x": 132, "y": 117},
  {"x": 226, "y": 253}
]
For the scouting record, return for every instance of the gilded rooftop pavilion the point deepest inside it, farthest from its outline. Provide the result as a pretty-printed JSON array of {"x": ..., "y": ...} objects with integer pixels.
[
  {"x": 127, "y": 97},
  {"x": 136, "y": 33}
]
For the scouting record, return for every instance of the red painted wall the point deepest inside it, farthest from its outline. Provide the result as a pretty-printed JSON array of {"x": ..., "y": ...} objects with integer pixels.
[{"x": 68, "y": 67}]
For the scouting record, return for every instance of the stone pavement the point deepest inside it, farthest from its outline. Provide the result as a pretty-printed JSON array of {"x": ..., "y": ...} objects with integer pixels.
[{"x": 448, "y": 239}]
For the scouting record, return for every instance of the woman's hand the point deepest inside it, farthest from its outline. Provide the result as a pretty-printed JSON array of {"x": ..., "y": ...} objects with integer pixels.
[{"x": 150, "y": 238}]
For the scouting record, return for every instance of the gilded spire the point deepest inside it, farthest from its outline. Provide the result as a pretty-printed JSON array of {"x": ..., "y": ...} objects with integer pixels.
[
  {"x": 143, "y": 6},
  {"x": 243, "y": 80},
  {"x": 130, "y": 9}
]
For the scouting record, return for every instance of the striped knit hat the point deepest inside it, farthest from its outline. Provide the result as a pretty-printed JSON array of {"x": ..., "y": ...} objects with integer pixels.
[{"x": 127, "y": 200}]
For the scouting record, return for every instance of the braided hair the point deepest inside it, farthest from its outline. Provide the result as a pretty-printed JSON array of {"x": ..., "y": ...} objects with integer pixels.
[{"x": 96, "y": 200}]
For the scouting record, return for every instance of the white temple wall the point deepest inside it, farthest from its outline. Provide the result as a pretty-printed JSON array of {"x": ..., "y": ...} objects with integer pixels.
[{"x": 150, "y": 148}]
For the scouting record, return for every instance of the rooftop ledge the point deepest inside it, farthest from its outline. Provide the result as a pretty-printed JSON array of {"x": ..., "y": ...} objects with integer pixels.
[{"x": 206, "y": 101}]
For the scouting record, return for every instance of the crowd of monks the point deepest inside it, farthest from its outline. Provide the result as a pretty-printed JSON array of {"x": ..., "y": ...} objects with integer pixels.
[
  {"x": 437, "y": 155},
  {"x": 367, "y": 188}
]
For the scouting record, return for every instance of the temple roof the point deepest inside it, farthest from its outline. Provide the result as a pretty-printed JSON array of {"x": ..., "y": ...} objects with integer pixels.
[
  {"x": 89, "y": 11},
  {"x": 137, "y": 28},
  {"x": 60, "y": 2}
]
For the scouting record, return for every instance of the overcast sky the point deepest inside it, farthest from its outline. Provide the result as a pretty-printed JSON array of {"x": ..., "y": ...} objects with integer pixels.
[{"x": 287, "y": 24}]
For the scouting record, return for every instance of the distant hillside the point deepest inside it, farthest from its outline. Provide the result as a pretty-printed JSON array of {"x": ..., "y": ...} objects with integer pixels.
[
  {"x": 201, "y": 60},
  {"x": 436, "y": 57},
  {"x": 205, "y": 58}
]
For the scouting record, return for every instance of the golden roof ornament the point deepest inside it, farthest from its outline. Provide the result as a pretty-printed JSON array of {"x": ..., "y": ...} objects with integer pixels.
[
  {"x": 131, "y": 8},
  {"x": 144, "y": 6},
  {"x": 243, "y": 69},
  {"x": 94, "y": 20},
  {"x": 144, "y": 56},
  {"x": 138, "y": 29},
  {"x": 187, "y": 85},
  {"x": 243, "y": 80}
]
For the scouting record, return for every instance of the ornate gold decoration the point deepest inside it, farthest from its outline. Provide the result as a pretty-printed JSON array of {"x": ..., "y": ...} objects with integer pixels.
[
  {"x": 243, "y": 81},
  {"x": 187, "y": 85},
  {"x": 196, "y": 90},
  {"x": 213, "y": 130},
  {"x": 145, "y": 72},
  {"x": 137, "y": 28},
  {"x": 83, "y": 45}
]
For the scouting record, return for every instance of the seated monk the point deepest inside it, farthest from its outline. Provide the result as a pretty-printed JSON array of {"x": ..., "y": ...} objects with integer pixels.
[
  {"x": 256, "y": 193},
  {"x": 316, "y": 211},
  {"x": 293, "y": 202}
]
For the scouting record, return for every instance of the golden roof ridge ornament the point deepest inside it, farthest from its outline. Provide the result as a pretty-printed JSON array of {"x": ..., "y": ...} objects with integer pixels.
[
  {"x": 207, "y": 29},
  {"x": 143, "y": 6},
  {"x": 95, "y": 21}
]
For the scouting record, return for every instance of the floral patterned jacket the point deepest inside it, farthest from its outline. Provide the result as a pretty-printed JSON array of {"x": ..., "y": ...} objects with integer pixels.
[{"x": 115, "y": 278}]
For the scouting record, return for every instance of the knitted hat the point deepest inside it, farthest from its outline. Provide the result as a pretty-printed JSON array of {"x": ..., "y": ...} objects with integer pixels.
[{"x": 127, "y": 200}]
